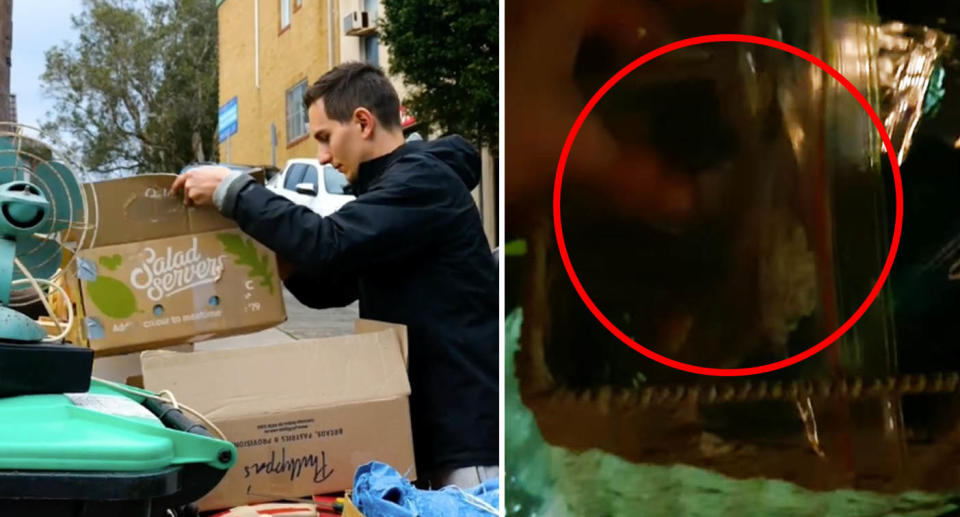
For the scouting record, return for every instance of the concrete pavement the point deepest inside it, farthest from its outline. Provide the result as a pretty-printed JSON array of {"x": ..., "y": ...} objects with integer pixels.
[
  {"x": 305, "y": 323},
  {"x": 302, "y": 323}
]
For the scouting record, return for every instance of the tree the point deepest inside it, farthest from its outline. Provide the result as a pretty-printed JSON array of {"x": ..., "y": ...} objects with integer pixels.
[
  {"x": 6, "y": 41},
  {"x": 137, "y": 91},
  {"x": 447, "y": 52}
]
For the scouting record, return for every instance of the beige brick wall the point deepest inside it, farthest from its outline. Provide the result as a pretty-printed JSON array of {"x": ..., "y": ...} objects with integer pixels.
[{"x": 286, "y": 57}]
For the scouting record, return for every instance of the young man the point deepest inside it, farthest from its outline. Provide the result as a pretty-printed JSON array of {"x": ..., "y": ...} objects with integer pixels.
[{"x": 411, "y": 247}]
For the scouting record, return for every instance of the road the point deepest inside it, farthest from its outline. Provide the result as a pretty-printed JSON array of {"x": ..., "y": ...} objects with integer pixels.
[
  {"x": 302, "y": 323},
  {"x": 305, "y": 323}
]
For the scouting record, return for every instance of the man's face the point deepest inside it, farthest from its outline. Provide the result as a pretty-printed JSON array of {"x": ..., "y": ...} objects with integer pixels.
[{"x": 340, "y": 144}]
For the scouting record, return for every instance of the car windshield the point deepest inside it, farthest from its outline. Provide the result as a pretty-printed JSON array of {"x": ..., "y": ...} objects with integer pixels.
[{"x": 334, "y": 181}]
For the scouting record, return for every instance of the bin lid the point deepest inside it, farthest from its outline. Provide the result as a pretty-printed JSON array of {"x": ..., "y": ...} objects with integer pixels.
[{"x": 101, "y": 430}]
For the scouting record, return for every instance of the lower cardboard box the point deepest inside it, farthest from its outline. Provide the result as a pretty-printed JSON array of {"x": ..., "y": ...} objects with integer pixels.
[
  {"x": 349, "y": 509},
  {"x": 126, "y": 368},
  {"x": 304, "y": 415}
]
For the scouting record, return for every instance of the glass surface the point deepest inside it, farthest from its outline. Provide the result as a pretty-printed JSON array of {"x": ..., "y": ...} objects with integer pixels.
[{"x": 772, "y": 225}]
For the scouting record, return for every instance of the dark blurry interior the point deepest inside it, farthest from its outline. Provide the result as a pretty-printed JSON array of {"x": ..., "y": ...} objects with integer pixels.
[{"x": 878, "y": 410}]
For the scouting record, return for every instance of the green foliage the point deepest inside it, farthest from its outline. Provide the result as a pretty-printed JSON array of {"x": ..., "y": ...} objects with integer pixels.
[
  {"x": 245, "y": 254},
  {"x": 448, "y": 52},
  {"x": 137, "y": 91}
]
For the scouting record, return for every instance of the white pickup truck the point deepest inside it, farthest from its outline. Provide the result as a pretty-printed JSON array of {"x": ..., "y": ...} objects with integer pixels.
[{"x": 318, "y": 187}]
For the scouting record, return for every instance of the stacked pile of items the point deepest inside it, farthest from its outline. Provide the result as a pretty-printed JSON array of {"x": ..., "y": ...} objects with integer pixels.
[{"x": 157, "y": 277}]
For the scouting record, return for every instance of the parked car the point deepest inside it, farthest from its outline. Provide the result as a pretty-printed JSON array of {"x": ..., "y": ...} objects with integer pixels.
[{"x": 320, "y": 187}]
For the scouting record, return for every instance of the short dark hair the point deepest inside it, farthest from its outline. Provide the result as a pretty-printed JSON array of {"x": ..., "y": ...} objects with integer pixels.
[{"x": 353, "y": 85}]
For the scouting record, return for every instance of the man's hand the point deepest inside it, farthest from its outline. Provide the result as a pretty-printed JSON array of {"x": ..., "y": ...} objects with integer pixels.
[{"x": 198, "y": 185}]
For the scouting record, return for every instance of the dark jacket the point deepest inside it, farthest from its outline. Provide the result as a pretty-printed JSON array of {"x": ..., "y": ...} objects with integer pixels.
[{"x": 411, "y": 247}]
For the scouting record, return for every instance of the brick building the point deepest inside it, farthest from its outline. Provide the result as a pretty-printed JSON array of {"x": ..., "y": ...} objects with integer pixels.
[
  {"x": 268, "y": 54},
  {"x": 270, "y": 51}
]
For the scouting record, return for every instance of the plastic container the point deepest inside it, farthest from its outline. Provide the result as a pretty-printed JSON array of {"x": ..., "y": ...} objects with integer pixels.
[
  {"x": 788, "y": 233},
  {"x": 104, "y": 453}
]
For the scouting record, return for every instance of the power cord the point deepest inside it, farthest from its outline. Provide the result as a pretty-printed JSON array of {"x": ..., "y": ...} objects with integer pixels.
[
  {"x": 169, "y": 399},
  {"x": 35, "y": 283}
]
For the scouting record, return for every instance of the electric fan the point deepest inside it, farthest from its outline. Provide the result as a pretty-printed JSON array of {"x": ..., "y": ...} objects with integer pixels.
[
  {"x": 41, "y": 204},
  {"x": 69, "y": 445}
]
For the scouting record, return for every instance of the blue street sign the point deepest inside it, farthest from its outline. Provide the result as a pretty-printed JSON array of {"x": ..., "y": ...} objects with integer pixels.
[{"x": 227, "y": 123}]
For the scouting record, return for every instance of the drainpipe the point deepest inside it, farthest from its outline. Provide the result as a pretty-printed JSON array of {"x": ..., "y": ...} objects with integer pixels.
[
  {"x": 256, "y": 43},
  {"x": 330, "y": 33}
]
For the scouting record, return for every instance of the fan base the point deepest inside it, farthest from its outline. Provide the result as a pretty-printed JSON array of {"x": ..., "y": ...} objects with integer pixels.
[{"x": 39, "y": 368}]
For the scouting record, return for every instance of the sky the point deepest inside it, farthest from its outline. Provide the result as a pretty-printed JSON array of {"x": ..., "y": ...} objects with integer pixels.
[{"x": 37, "y": 26}]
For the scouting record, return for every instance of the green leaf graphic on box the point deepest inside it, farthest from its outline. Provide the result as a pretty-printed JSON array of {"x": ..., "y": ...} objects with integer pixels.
[
  {"x": 244, "y": 252},
  {"x": 112, "y": 262},
  {"x": 112, "y": 297}
]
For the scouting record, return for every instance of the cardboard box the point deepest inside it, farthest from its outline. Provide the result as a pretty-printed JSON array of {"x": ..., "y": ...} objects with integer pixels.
[
  {"x": 157, "y": 273},
  {"x": 272, "y": 336},
  {"x": 350, "y": 509},
  {"x": 125, "y": 368},
  {"x": 303, "y": 415}
]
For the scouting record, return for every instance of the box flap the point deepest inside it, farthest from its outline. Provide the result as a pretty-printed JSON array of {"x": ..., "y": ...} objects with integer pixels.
[
  {"x": 362, "y": 326},
  {"x": 302, "y": 374},
  {"x": 140, "y": 208}
]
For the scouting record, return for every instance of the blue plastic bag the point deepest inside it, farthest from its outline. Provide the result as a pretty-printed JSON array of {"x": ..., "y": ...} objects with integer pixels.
[{"x": 380, "y": 491}]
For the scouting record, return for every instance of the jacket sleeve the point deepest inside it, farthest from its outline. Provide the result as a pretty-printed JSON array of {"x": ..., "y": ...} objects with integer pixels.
[
  {"x": 401, "y": 215},
  {"x": 319, "y": 291}
]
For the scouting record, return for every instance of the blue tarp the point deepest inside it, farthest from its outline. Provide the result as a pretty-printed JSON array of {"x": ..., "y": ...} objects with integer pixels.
[{"x": 380, "y": 491}]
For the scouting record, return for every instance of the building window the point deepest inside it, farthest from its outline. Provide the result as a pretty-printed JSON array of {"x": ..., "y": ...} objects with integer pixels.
[
  {"x": 296, "y": 112},
  {"x": 284, "y": 14},
  {"x": 371, "y": 50}
]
